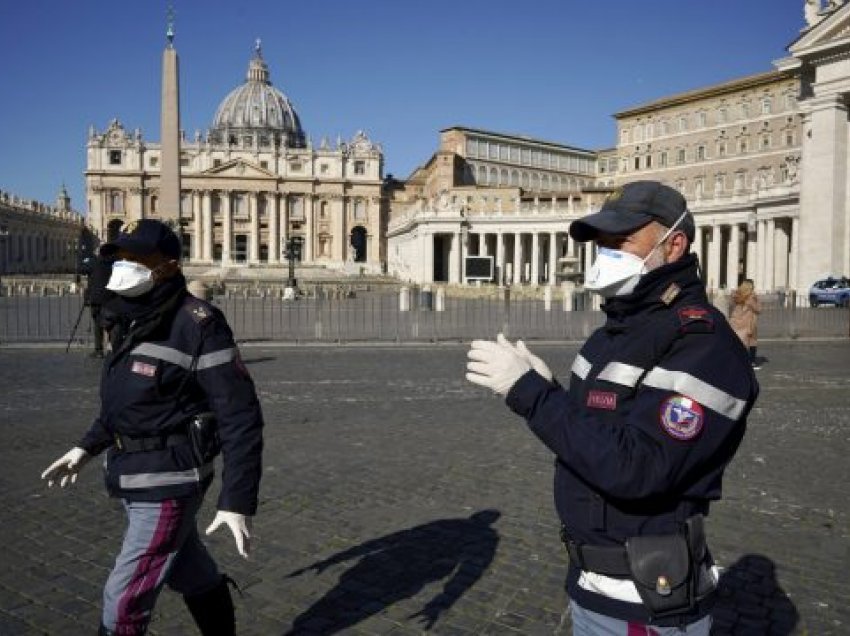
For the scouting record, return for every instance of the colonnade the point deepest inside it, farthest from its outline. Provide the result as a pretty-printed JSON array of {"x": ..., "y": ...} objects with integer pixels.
[
  {"x": 531, "y": 257},
  {"x": 765, "y": 250}
]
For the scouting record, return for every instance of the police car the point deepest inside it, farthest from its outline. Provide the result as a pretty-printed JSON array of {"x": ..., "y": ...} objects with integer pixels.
[{"x": 830, "y": 291}]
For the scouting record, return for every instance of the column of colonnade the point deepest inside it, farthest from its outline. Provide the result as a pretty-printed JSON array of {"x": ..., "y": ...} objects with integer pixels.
[
  {"x": 763, "y": 250},
  {"x": 202, "y": 247},
  {"x": 520, "y": 257}
]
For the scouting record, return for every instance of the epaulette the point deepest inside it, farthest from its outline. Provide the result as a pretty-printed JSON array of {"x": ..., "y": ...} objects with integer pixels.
[
  {"x": 198, "y": 310},
  {"x": 695, "y": 319}
]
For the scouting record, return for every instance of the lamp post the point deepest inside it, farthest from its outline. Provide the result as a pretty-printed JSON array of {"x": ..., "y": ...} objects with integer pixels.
[{"x": 294, "y": 245}]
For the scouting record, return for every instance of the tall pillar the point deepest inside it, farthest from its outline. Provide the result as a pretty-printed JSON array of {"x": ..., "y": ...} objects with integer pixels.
[
  {"x": 309, "y": 225},
  {"x": 500, "y": 258},
  {"x": 517, "y": 266},
  {"x": 714, "y": 257},
  {"x": 794, "y": 259},
  {"x": 553, "y": 257},
  {"x": 782, "y": 245},
  {"x": 752, "y": 255},
  {"x": 253, "y": 211},
  {"x": 535, "y": 258},
  {"x": 761, "y": 249},
  {"x": 770, "y": 256},
  {"x": 587, "y": 257},
  {"x": 823, "y": 187},
  {"x": 227, "y": 228},
  {"x": 454, "y": 251},
  {"x": 273, "y": 208},
  {"x": 733, "y": 256},
  {"x": 207, "y": 227},
  {"x": 338, "y": 224},
  {"x": 195, "y": 249},
  {"x": 169, "y": 171},
  {"x": 464, "y": 252}
]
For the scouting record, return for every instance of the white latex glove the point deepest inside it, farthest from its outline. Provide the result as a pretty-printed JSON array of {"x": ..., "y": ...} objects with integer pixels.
[
  {"x": 240, "y": 526},
  {"x": 536, "y": 363},
  {"x": 495, "y": 366},
  {"x": 66, "y": 468}
]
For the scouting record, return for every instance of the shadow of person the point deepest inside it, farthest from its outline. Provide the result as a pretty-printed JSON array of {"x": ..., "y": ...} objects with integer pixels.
[
  {"x": 398, "y": 566},
  {"x": 750, "y": 599}
]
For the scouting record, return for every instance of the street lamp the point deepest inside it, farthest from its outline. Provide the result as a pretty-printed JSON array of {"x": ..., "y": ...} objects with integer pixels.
[{"x": 293, "y": 252}]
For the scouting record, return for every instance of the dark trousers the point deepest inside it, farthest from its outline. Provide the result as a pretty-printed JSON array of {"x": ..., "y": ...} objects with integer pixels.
[{"x": 97, "y": 328}]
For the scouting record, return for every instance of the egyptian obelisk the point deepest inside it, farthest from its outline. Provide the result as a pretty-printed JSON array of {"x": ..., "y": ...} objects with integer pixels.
[{"x": 169, "y": 176}]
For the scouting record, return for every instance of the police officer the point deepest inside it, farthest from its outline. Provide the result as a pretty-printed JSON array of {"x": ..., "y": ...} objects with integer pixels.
[
  {"x": 98, "y": 271},
  {"x": 654, "y": 410},
  {"x": 173, "y": 390}
]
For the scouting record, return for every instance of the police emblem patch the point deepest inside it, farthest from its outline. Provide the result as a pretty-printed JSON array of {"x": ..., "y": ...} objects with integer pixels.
[{"x": 681, "y": 417}]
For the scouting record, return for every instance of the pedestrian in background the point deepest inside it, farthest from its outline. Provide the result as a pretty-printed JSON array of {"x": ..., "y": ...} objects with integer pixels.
[
  {"x": 654, "y": 410},
  {"x": 98, "y": 270},
  {"x": 174, "y": 392},
  {"x": 743, "y": 316}
]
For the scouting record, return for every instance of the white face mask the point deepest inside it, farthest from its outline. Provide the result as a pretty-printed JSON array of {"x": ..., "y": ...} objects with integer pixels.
[
  {"x": 130, "y": 279},
  {"x": 617, "y": 273}
]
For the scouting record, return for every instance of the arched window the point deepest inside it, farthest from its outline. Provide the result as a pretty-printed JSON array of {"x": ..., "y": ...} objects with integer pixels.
[
  {"x": 482, "y": 175},
  {"x": 514, "y": 178},
  {"x": 503, "y": 177}
]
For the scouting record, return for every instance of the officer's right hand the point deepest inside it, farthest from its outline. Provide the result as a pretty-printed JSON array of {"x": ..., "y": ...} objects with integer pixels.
[{"x": 66, "y": 468}]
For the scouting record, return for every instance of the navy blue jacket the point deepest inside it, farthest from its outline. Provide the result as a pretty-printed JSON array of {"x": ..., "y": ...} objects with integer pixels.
[
  {"x": 161, "y": 372},
  {"x": 656, "y": 408}
]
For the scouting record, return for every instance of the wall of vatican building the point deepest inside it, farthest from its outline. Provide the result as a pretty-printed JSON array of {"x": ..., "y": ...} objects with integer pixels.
[
  {"x": 38, "y": 238},
  {"x": 734, "y": 151}
]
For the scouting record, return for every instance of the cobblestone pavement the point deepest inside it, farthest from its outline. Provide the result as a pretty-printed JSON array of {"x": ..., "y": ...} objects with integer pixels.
[{"x": 398, "y": 497}]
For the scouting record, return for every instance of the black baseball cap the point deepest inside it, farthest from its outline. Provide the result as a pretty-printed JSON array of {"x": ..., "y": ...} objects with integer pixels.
[
  {"x": 633, "y": 205},
  {"x": 144, "y": 237}
]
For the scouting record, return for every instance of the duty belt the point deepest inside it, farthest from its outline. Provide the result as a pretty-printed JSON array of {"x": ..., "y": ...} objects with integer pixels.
[
  {"x": 606, "y": 560},
  {"x": 155, "y": 443}
]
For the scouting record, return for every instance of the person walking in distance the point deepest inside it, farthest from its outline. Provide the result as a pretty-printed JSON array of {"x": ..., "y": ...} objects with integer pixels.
[
  {"x": 653, "y": 411},
  {"x": 174, "y": 392},
  {"x": 743, "y": 316}
]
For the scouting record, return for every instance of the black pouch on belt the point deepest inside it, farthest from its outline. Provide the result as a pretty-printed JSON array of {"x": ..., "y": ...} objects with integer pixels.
[
  {"x": 663, "y": 572},
  {"x": 203, "y": 435}
]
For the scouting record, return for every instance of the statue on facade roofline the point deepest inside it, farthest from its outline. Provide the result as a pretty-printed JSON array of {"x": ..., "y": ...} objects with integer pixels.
[{"x": 811, "y": 9}]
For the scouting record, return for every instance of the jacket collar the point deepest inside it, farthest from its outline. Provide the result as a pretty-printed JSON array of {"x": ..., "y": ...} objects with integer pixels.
[{"x": 668, "y": 285}]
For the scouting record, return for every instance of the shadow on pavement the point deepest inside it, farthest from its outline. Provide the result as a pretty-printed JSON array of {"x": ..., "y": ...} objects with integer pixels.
[
  {"x": 397, "y": 566},
  {"x": 751, "y": 601}
]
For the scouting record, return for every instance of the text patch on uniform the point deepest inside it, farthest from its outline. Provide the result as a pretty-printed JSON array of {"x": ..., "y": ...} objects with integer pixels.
[
  {"x": 681, "y": 417},
  {"x": 602, "y": 400},
  {"x": 143, "y": 368}
]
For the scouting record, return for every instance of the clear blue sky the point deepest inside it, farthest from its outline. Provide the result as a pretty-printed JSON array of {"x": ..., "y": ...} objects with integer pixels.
[{"x": 400, "y": 70}]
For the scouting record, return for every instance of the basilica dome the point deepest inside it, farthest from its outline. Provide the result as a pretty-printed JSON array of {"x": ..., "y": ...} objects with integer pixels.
[{"x": 257, "y": 110}]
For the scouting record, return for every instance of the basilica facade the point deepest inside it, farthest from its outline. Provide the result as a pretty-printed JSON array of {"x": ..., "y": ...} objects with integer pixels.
[{"x": 252, "y": 181}]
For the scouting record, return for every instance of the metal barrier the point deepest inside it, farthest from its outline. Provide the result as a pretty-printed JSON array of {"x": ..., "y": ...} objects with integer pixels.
[{"x": 390, "y": 318}]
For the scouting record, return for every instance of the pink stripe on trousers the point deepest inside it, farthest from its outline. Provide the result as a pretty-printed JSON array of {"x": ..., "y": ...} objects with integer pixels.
[{"x": 148, "y": 570}]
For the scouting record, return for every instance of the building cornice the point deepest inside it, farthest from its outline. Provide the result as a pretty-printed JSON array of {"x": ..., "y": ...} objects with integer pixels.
[{"x": 733, "y": 86}]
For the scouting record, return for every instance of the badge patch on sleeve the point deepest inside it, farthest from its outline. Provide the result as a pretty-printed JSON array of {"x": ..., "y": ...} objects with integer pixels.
[
  {"x": 681, "y": 417},
  {"x": 143, "y": 368}
]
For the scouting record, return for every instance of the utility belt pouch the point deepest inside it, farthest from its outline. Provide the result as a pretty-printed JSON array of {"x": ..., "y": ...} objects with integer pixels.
[
  {"x": 663, "y": 572},
  {"x": 203, "y": 435}
]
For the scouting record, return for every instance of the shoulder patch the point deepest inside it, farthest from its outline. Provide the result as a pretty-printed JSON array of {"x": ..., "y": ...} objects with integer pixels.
[
  {"x": 681, "y": 417},
  {"x": 695, "y": 319},
  {"x": 199, "y": 312}
]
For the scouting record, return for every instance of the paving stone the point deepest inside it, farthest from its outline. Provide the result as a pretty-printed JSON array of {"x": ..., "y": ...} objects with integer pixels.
[{"x": 377, "y": 458}]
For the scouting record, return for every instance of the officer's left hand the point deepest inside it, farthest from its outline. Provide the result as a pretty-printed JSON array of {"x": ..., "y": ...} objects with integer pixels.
[
  {"x": 495, "y": 366},
  {"x": 240, "y": 526}
]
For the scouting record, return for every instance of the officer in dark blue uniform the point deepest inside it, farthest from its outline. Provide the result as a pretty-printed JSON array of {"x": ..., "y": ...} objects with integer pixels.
[
  {"x": 174, "y": 392},
  {"x": 655, "y": 409}
]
